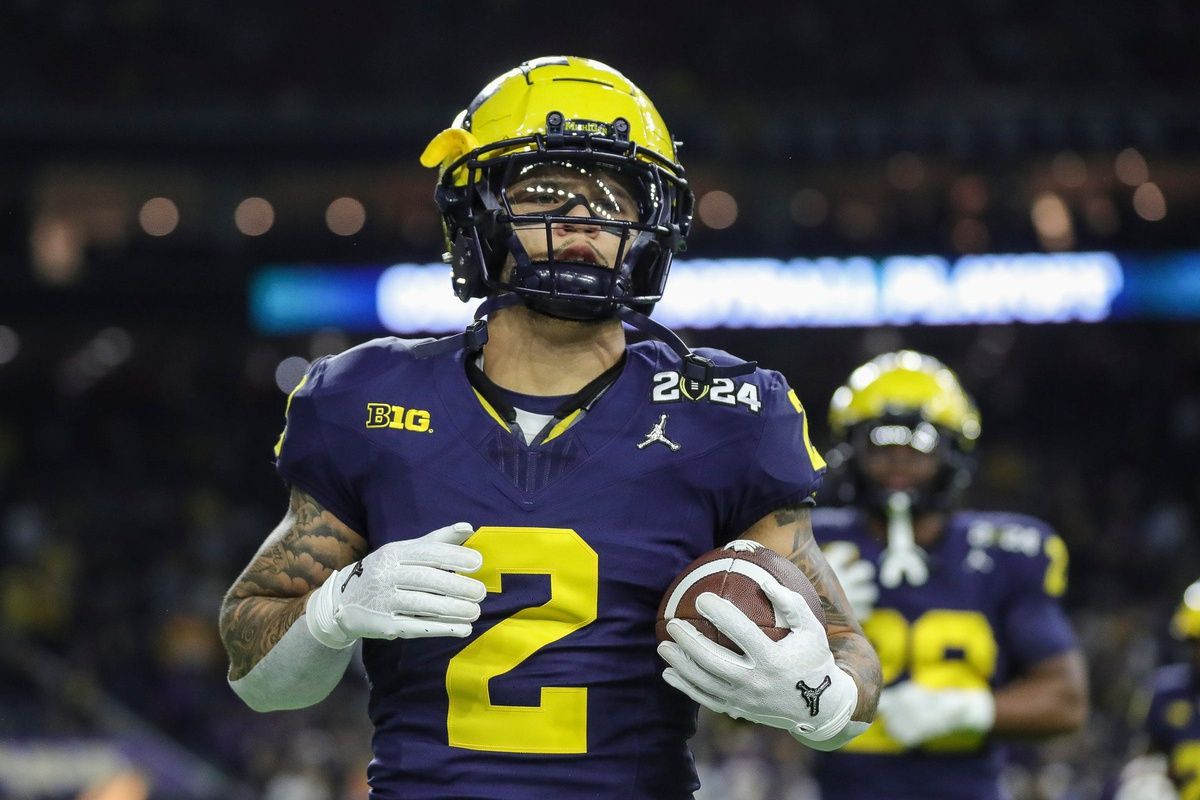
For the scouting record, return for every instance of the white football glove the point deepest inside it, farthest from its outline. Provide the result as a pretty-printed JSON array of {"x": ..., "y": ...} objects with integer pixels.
[
  {"x": 856, "y": 575},
  {"x": 1146, "y": 778},
  {"x": 402, "y": 590},
  {"x": 913, "y": 714},
  {"x": 792, "y": 684}
]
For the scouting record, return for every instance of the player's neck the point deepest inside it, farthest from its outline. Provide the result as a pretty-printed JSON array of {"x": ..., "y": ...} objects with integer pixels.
[{"x": 534, "y": 354}]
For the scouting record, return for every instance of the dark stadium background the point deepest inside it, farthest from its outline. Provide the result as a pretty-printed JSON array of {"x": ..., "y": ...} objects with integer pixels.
[{"x": 138, "y": 404}]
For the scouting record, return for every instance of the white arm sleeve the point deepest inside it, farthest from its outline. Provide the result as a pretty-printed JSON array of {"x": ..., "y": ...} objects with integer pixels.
[{"x": 297, "y": 672}]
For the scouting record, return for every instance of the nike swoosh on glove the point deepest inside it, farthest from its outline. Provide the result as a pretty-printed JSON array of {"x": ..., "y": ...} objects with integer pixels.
[
  {"x": 792, "y": 684},
  {"x": 913, "y": 714},
  {"x": 856, "y": 575},
  {"x": 403, "y": 590}
]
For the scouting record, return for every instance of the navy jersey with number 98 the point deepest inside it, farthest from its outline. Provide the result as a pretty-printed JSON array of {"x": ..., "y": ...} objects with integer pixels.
[{"x": 989, "y": 611}]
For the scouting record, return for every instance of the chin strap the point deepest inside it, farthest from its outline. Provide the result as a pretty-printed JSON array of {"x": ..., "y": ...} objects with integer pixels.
[
  {"x": 474, "y": 337},
  {"x": 903, "y": 561},
  {"x": 696, "y": 367}
]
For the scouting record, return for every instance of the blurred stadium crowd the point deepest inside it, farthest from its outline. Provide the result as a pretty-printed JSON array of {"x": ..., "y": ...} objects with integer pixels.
[{"x": 138, "y": 409}]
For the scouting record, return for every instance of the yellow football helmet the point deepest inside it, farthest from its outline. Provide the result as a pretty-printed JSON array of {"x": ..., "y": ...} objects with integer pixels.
[
  {"x": 904, "y": 398},
  {"x": 1185, "y": 623},
  {"x": 905, "y": 383},
  {"x": 568, "y": 113}
]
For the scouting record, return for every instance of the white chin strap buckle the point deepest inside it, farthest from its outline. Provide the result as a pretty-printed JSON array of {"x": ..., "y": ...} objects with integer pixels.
[{"x": 903, "y": 561}]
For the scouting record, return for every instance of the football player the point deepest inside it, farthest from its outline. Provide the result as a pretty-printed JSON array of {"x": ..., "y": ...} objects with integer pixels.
[
  {"x": 962, "y": 606},
  {"x": 1172, "y": 720},
  {"x": 497, "y": 514}
]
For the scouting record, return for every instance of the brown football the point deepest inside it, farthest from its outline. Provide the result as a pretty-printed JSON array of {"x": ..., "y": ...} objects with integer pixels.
[{"x": 735, "y": 572}]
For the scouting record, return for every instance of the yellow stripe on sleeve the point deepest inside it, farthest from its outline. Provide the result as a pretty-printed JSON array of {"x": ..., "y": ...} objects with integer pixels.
[
  {"x": 286, "y": 410},
  {"x": 818, "y": 463}
]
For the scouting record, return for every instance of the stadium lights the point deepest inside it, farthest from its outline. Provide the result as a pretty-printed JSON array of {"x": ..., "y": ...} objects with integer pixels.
[
  {"x": 717, "y": 209},
  {"x": 289, "y": 372},
  {"x": 345, "y": 216},
  {"x": 1131, "y": 167},
  {"x": 1149, "y": 203},
  {"x": 159, "y": 216},
  {"x": 254, "y": 216}
]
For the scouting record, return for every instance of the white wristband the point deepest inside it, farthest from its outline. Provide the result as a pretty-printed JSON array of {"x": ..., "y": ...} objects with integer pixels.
[
  {"x": 852, "y": 730},
  {"x": 319, "y": 615}
]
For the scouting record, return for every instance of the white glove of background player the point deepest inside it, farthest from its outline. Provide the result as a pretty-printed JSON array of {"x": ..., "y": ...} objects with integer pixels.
[
  {"x": 913, "y": 714},
  {"x": 791, "y": 684},
  {"x": 402, "y": 590},
  {"x": 856, "y": 575},
  {"x": 1146, "y": 778}
]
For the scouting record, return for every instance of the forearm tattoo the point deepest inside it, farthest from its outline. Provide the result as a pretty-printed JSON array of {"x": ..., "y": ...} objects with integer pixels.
[
  {"x": 851, "y": 650},
  {"x": 271, "y": 592},
  {"x": 854, "y": 654}
]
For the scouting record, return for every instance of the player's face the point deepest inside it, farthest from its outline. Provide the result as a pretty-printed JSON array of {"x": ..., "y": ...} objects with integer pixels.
[
  {"x": 571, "y": 190},
  {"x": 899, "y": 468}
]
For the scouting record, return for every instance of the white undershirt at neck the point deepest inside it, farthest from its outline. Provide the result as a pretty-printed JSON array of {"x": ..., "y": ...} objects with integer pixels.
[{"x": 531, "y": 424}]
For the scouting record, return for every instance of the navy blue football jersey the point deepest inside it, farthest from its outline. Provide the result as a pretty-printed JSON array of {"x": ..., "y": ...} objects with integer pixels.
[
  {"x": 988, "y": 611},
  {"x": 1173, "y": 724},
  {"x": 558, "y": 692}
]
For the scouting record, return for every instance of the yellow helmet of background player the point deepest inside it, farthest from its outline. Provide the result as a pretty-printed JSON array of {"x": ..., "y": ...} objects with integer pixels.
[
  {"x": 902, "y": 398},
  {"x": 905, "y": 383},
  {"x": 576, "y": 114},
  {"x": 1185, "y": 623}
]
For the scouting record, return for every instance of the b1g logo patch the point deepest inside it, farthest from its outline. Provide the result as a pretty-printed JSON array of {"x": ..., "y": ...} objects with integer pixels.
[
  {"x": 385, "y": 415},
  {"x": 671, "y": 387}
]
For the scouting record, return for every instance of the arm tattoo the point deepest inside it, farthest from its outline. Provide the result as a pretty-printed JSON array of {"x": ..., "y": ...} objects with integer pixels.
[
  {"x": 854, "y": 654},
  {"x": 270, "y": 594},
  {"x": 807, "y": 556},
  {"x": 850, "y": 648}
]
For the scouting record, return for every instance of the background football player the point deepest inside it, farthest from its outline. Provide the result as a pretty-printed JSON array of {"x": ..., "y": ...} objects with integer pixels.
[
  {"x": 513, "y": 655},
  {"x": 1170, "y": 767},
  {"x": 962, "y": 606}
]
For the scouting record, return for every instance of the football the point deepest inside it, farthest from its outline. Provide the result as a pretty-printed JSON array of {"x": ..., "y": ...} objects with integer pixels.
[{"x": 735, "y": 573}]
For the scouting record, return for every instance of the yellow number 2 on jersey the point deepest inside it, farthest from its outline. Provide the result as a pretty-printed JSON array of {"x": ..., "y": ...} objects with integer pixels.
[{"x": 558, "y": 724}]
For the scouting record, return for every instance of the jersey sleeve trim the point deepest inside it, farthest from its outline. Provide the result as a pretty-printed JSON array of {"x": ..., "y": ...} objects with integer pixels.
[
  {"x": 818, "y": 463},
  {"x": 791, "y": 495},
  {"x": 286, "y": 410}
]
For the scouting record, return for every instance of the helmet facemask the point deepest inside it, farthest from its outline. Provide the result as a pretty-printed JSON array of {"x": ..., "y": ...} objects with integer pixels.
[
  {"x": 511, "y": 222},
  {"x": 942, "y": 491}
]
